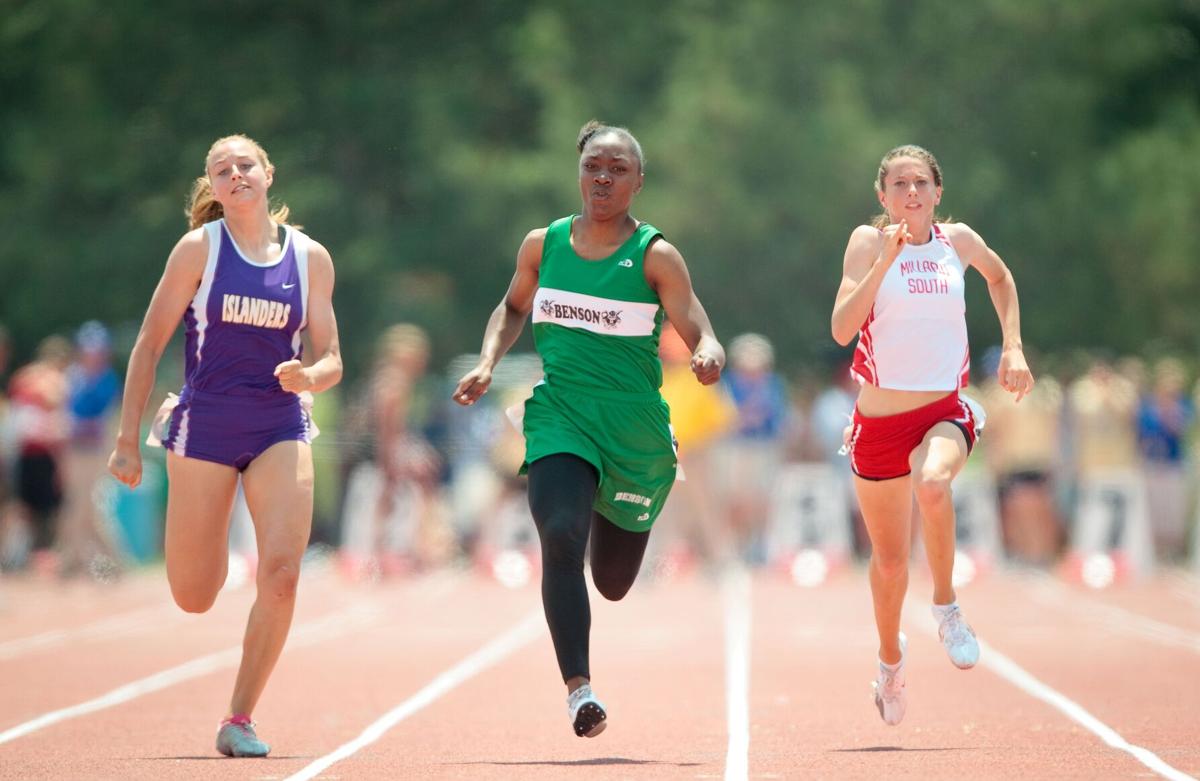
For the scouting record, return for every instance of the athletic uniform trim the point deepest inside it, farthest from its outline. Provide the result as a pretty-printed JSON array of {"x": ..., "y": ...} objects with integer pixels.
[
  {"x": 244, "y": 320},
  {"x": 880, "y": 447},
  {"x": 915, "y": 336},
  {"x": 596, "y": 326},
  {"x": 213, "y": 230}
]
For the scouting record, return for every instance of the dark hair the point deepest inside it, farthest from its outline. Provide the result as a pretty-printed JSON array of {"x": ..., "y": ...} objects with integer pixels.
[
  {"x": 596, "y": 128},
  {"x": 917, "y": 153}
]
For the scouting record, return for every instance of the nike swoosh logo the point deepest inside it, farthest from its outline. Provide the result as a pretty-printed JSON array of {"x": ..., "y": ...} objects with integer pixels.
[{"x": 289, "y": 287}]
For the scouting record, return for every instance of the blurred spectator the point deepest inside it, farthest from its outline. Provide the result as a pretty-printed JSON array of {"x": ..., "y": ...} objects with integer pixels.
[
  {"x": 1165, "y": 414},
  {"x": 491, "y": 510},
  {"x": 1133, "y": 370},
  {"x": 38, "y": 397},
  {"x": 475, "y": 483},
  {"x": 700, "y": 415},
  {"x": 393, "y": 519},
  {"x": 1102, "y": 404},
  {"x": 831, "y": 412},
  {"x": 93, "y": 388},
  {"x": 1194, "y": 447},
  {"x": 7, "y": 449},
  {"x": 5, "y": 355},
  {"x": 748, "y": 461},
  {"x": 1022, "y": 445},
  {"x": 1111, "y": 494}
]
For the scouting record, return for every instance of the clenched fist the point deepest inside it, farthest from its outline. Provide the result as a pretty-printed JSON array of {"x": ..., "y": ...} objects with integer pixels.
[{"x": 293, "y": 377}]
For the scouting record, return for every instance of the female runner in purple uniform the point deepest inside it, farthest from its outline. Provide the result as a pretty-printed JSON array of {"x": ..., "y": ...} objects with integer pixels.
[{"x": 245, "y": 285}]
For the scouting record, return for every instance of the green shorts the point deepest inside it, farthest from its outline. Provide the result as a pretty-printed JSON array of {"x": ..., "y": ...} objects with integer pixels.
[{"x": 626, "y": 437}]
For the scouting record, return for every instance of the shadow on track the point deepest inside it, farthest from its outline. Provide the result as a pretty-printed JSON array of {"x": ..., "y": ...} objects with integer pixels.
[
  {"x": 867, "y": 749},
  {"x": 585, "y": 762},
  {"x": 268, "y": 758}
]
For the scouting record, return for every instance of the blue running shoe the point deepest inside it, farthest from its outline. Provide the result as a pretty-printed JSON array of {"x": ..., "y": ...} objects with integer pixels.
[
  {"x": 236, "y": 738},
  {"x": 586, "y": 712},
  {"x": 957, "y": 636}
]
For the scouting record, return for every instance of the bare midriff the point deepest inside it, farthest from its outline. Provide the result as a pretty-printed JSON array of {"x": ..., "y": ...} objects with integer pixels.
[{"x": 876, "y": 402}]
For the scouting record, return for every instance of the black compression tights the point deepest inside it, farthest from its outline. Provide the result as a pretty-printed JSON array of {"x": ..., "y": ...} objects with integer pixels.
[{"x": 561, "y": 490}]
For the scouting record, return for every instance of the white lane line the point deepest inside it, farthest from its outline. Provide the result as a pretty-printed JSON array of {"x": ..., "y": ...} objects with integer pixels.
[
  {"x": 102, "y": 629},
  {"x": 515, "y": 638},
  {"x": 1025, "y": 681},
  {"x": 1118, "y": 618},
  {"x": 735, "y": 593},
  {"x": 1019, "y": 677},
  {"x": 123, "y": 623},
  {"x": 306, "y": 634}
]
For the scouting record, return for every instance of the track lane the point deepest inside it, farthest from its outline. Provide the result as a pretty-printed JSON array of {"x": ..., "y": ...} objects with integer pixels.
[
  {"x": 657, "y": 663},
  {"x": 660, "y": 664},
  {"x": 958, "y": 722}
]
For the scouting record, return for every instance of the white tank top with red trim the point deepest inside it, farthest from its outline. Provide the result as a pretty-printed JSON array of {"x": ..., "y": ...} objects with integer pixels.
[{"x": 915, "y": 337}]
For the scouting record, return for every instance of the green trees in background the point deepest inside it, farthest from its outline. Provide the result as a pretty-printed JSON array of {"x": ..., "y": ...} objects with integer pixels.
[{"x": 419, "y": 141}]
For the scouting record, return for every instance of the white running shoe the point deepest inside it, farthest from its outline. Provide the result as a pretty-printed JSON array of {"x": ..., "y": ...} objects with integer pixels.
[
  {"x": 957, "y": 636},
  {"x": 587, "y": 713},
  {"x": 889, "y": 689}
]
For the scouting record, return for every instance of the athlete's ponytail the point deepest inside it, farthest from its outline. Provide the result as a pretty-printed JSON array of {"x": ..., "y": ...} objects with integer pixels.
[{"x": 203, "y": 207}]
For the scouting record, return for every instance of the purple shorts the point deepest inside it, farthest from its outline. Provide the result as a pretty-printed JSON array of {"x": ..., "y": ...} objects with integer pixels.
[{"x": 230, "y": 430}]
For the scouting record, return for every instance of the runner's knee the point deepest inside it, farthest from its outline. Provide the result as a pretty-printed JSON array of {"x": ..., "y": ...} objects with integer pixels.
[
  {"x": 616, "y": 557},
  {"x": 278, "y": 577},
  {"x": 890, "y": 565},
  {"x": 563, "y": 544},
  {"x": 561, "y": 489},
  {"x": 932, "y": 488},
  {"x": 195, "y": 597},
  {"x": 613, "y": 586}
]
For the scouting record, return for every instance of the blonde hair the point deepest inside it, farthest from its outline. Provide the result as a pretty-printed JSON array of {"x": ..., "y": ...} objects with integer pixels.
[
  {"x": 203, "y": 207},
  {"x": 917, "y": 153}
]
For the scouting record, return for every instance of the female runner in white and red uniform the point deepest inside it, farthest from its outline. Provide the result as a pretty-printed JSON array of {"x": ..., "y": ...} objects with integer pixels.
[{"x": 902, "y": 293}]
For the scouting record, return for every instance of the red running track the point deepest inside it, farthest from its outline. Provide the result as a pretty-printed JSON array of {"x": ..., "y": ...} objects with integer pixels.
[{"x": 451, "y": 675}]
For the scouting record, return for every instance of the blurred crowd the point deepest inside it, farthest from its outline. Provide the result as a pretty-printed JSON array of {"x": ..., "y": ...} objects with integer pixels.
[
  {"x": 55, "y": 417},
  {"x": 1101, "y": 457}
]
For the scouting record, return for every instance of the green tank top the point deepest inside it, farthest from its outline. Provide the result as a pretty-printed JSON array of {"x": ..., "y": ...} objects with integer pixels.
[{"x": 596, "y": 322}]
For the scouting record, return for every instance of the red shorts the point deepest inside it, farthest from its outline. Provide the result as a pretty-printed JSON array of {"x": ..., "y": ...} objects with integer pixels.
[{"x": 879, "y": 447}]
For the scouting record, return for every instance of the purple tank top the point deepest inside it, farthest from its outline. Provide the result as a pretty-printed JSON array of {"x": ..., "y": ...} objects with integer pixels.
[{"x": 246, "y": 317}]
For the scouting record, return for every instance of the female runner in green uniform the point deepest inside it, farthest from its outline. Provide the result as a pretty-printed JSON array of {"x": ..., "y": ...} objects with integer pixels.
[{"x": 599, "y": 450}]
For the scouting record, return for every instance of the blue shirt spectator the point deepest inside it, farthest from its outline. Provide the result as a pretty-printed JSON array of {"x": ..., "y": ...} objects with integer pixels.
[
  {"x": 757, "y": 390},
  {"x": 1164, "y": 415},
  {"x": 92, "y": 385}
]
